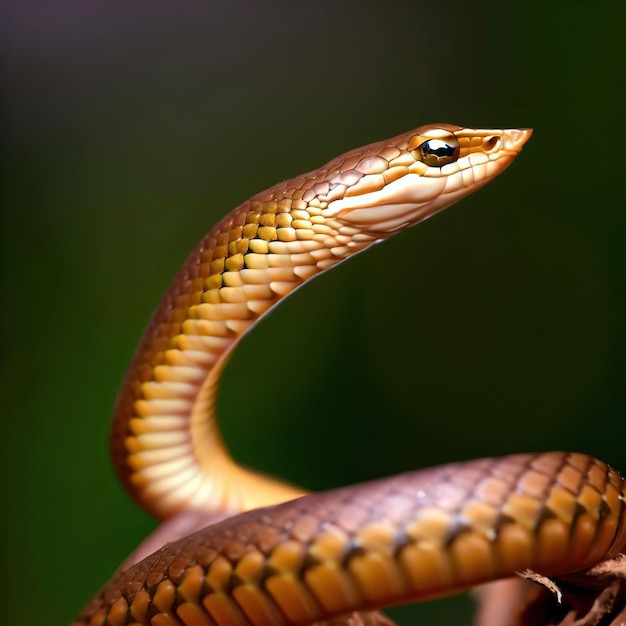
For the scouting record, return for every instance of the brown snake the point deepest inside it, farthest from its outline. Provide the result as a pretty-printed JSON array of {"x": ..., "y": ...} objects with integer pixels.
[{"x": 324, "y": 556}]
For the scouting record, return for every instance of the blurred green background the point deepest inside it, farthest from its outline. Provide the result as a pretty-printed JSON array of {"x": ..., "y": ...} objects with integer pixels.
[{"x": 130, "y": 128}]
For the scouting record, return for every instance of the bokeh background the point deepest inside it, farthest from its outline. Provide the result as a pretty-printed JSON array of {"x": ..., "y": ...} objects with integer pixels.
[{"x": 130, "y": 128}]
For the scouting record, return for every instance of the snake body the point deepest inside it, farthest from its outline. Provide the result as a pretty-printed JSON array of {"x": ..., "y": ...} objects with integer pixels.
[{"x": 325, "y": 556}]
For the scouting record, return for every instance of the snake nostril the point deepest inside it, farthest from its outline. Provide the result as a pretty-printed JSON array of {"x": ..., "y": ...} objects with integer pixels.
[{"x": 491, "y": 143}]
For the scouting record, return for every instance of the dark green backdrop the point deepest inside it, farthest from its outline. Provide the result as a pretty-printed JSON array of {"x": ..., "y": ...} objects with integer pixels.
[{"x": 495, "y": 327}]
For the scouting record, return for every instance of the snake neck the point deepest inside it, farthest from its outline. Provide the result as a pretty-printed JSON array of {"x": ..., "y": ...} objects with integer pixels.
[{"x": 166, "y": 440}]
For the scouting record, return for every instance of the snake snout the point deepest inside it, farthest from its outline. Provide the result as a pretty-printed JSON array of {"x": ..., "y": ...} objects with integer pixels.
[{"x": 515, "y": 138}]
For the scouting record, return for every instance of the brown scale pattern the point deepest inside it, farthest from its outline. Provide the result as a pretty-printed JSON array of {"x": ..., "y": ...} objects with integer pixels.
[{"x": 419, "y": 534}]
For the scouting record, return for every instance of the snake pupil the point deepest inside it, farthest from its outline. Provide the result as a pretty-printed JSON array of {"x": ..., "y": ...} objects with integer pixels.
[
  {"x": 436, "y": 152},
  {"x": 441, "y": 151}
]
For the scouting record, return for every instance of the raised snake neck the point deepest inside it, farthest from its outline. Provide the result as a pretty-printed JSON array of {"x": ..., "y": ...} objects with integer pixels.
[{"x": 327, "y": 555}]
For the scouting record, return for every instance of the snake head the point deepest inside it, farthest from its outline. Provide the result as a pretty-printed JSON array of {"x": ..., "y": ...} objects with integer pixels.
[{"x": 402, "y": 181}]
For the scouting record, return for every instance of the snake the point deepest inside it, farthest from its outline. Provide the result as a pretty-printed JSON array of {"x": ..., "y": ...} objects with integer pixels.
[{"x": 240, "y": 548}]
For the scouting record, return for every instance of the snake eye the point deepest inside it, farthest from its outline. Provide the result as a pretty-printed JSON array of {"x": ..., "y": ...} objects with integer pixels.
[{"x": 437, "y": 152}]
